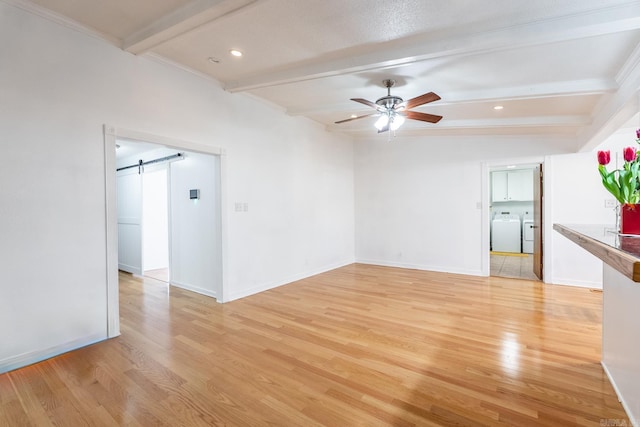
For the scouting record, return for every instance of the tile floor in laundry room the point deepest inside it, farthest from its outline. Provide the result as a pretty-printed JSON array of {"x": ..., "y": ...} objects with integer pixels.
[{"x": 519, "y": 266}]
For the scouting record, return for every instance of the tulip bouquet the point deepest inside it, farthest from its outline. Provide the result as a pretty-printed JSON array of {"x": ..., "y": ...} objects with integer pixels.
[{"x": 624, "y": 183}]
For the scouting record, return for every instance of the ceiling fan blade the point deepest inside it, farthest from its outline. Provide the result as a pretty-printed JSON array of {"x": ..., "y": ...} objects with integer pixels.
[
  {"x": 355, "y": 118},
  {"x": 368, "y": 103},
  {"x": 415, "y": 115},
  {"x": 421, "y": 100}
]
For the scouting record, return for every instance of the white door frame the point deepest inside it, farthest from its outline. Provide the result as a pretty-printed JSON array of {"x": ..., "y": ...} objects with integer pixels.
[
  {"x": 486, "y": 168},
  {"x": 111, "y": 133}
]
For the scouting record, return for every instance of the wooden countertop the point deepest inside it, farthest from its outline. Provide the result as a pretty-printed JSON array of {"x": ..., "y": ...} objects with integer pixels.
[{"x": 621, "y": 252}]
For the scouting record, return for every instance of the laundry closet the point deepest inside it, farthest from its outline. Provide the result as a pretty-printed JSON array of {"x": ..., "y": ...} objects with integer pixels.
[{"x": 512, "y": 209}]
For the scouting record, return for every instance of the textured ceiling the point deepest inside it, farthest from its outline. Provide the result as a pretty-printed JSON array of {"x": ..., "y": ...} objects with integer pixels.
[{"x": 566, "y": 69}]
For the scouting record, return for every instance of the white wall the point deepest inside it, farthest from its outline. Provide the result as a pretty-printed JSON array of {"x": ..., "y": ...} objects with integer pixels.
[
  {"x": 58, "y": 88},
  {"x": 575, "y": 195},
  {"x": 195, "y": 224},
  {"x": 418, "y": 201},
  {"x": 621, "y": 339}
]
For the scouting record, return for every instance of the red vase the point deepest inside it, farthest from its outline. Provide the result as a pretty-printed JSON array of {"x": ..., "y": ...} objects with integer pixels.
[{"x": 630, "y": 219}]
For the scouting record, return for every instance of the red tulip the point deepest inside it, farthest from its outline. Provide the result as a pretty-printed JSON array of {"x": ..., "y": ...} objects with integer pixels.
[
  {"x": 638, "y": 133},
  {"x": 604, "y": 157},
  {"x": 629, "y": 154}
]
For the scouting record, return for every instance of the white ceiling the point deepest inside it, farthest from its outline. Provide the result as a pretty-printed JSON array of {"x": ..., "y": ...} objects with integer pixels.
[{"x": 560, "y": 68}]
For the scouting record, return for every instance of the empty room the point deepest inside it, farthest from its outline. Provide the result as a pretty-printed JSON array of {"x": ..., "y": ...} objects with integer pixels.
[{"x": 298, "y": 213}]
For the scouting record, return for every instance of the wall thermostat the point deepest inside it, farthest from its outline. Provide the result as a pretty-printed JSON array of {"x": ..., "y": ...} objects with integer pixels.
[{"x": 194, "y": 194}]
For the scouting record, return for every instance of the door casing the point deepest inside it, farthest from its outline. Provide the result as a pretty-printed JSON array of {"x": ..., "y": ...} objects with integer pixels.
[{"x": 110, "y": 134}]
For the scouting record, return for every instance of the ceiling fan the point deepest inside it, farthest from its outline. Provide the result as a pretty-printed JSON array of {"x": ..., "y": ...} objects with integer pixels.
[{"x": 393, "y": 110}]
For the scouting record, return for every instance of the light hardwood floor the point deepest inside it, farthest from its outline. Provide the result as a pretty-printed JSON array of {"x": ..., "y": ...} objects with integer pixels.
[
  {"x": 161, "y": 274},
  {"x": 360, "y": 345}
]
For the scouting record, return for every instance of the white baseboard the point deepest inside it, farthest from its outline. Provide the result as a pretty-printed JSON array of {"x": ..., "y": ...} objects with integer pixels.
[
  {"x": 634, "y": 421},
  {"x": 130, "y": 269},
  {"x": 425, "y": 267},
  {"x": 578, "y": 283},
  {"x": 194, "y": 288},
  {"x": 274, "y": 284},
  {"x": 29, "y": 358}
]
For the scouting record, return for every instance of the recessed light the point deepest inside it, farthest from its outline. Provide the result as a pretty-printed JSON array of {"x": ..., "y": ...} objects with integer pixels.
[
  {"x": 498, "y": 107},
  {"x": 511, "y": 167},
  {"x": 235, "y": 52},
  {"x": 353, "y": 116}
]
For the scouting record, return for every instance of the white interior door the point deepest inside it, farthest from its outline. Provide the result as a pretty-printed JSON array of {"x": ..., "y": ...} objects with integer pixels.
[
  {"x": 155, "y": 215},
  {"x": 129, "y": 196}
]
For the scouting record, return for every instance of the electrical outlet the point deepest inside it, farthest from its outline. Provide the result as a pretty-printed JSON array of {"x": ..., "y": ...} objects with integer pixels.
[{"x": 609, "y": 203}]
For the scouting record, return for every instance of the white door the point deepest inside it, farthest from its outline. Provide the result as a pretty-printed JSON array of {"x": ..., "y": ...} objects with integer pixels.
[
  {"x": 155, "y": 218},
  {"x": 129, "y": 193}
]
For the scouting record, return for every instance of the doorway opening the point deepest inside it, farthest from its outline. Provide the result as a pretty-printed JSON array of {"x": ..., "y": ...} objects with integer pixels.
[
  {"x": 516, "y": 221},
  {"x": 163, "y": 215}
]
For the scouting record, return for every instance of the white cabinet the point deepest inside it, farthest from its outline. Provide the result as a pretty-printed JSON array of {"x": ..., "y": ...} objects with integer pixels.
[
  {"x": 499, "y": 186},
  {"x": 516, "y": 185}
]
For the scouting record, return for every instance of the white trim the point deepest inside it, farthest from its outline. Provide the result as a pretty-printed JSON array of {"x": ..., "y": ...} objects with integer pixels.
[
  {"x": 425, "y": 267},
  {"x": 528, "y": 163},
  {"x": 485, "y": 229},
  {"x": 293, "y": 278},
  {"x": 136, "y": 271},
  {"x": 194, "y": 288},
  {"x": 576, "y": 283},
  {"x": 625, "y": 406},
  {"x": 163, "y": 140},
  {"x": 224, "y": 220},
  {"x": 111, "y": 232},
  {"x": 22, "y": 360}
]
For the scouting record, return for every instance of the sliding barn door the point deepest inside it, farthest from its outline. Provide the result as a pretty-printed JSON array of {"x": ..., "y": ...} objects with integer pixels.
[{"x": 129, "y": 191}]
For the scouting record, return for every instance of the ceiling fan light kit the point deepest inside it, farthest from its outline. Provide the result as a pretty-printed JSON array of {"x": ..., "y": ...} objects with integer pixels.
[{"x": 393, "y": 110}]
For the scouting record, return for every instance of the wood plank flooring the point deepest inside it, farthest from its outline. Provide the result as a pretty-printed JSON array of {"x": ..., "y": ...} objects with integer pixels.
[
  {"x": 161, "y": 274},
  {"x": 360, "y": 345}
]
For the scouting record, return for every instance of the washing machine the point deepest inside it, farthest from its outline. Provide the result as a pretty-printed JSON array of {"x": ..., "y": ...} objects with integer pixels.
[
  {"x": 506, "y": 230},
  {"x": 527, "y": 235}
]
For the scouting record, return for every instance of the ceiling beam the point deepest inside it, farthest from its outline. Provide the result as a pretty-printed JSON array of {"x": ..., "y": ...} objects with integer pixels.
[
  {"x": 427, "y": 46},
  {"x": 182, "y": 20},
  {"x": 614, "y": 110},
  {"x": 516, "y": 93},
  {"x": 512, "y": 122}
]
